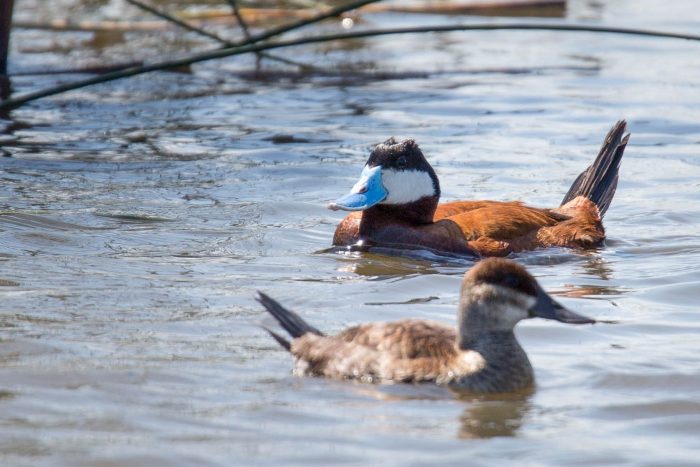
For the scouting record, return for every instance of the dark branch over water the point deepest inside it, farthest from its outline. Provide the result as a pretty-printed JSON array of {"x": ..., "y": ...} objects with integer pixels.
[{"x": 254, "y": 48}]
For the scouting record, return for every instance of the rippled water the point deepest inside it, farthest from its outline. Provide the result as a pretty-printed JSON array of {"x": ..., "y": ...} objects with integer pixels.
[{"x": 141, "y": 216}]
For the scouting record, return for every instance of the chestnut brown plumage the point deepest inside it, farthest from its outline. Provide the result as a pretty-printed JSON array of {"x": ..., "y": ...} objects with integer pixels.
[{"x": 480, "y": 228}]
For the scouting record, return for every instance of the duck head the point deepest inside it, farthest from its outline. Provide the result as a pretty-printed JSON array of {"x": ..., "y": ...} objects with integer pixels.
[
  {"x": 498, "y": 293},
  {"x": 396, "y": 174}
]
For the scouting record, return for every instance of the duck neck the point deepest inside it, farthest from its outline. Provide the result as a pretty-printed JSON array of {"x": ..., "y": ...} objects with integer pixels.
[
  {"x": 506, "y": 364},
  {"x": 479, "y": 322},
  {"x": 416, "y": 213}
]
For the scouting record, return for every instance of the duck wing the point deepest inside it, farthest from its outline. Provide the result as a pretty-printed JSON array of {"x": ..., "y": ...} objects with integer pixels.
[
  {"x": 405, "y": 339},
  {"x": 453, "y": 208},
  {"x": 503, "y": 220},
  {"x": 406, "y": 351}
]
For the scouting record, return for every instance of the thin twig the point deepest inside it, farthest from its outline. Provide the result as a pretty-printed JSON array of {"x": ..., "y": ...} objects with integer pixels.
[
  {"x": 98, "y": 69},
  {"x": 333, "y": 12},
  {"x": 180, "y": 23},
  {"x": 244, "y": 28},
  {"x": 239, "y": 18},
  {"x": 246, "y": 33},
  {"x": 220, "y": 53}
]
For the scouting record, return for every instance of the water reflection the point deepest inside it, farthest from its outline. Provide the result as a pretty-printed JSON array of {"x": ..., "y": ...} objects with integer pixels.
[
  {"x": 376, "y": 266},
  {"x": 380, "y": 262},
  {"x": 583, "y": 291},
  {"x": 32, "y": 221},
  {"x": 362, "y": 255},
  {"x": 483, "y": 416},
  {"x": 596, "y": 268},
  {"x": 412, "y": 301},
  {"x": 5, "y": 88},
  {"x": 492, "y": 416}
]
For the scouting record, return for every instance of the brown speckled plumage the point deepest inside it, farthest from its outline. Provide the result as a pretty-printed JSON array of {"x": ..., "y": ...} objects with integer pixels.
[{"x": 480, "y": 355}]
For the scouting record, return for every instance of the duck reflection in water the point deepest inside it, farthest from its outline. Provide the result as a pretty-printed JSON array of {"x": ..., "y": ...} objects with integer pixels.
[
  {"x": 481, "y": 355},
  {"x": 493, "y": 416},
  {"x": 484, "y": 415}
]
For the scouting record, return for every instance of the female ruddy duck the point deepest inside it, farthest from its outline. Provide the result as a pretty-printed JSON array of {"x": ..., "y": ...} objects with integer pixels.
[
  {"x": 480, "y": 355},
  {"x": 398, "y": 195}
]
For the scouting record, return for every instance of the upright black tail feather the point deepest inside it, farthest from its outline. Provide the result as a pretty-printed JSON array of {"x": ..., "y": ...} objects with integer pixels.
[
  {"x": 280, "y": 340},
  {"x": 290, "y": 321},
  {"x": 599, "y": 181}
]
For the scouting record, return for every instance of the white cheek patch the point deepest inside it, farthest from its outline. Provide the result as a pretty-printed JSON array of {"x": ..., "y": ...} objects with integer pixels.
[{"x": 406, "y": 186}]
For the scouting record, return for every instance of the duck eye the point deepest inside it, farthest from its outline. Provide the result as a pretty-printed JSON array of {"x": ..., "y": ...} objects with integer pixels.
[
  {"x": 511, "y": 281},
  {"x": 401, "y": 162}
]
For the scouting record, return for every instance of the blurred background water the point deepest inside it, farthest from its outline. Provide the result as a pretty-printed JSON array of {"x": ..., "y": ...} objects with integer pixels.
[{"x": 141, "y": 216}]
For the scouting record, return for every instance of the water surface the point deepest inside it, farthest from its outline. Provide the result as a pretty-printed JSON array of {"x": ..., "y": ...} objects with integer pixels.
[{"x": 141, "y": 216}]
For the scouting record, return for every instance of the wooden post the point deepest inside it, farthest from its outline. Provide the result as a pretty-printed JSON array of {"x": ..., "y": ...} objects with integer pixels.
[{"x": 5, "y": 25}]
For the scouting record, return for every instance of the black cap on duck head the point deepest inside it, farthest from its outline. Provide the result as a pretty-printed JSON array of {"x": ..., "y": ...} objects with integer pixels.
[
  {"x": 507, "y": 276},
  {"x": 396, "y": 173},
  {"x": 404, "y": 155}
]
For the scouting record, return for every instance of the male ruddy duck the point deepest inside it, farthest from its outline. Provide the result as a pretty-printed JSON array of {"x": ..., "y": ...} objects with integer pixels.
[
  {"x": 480, "y": 355},
  {"x": 398, "y": 196}
]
